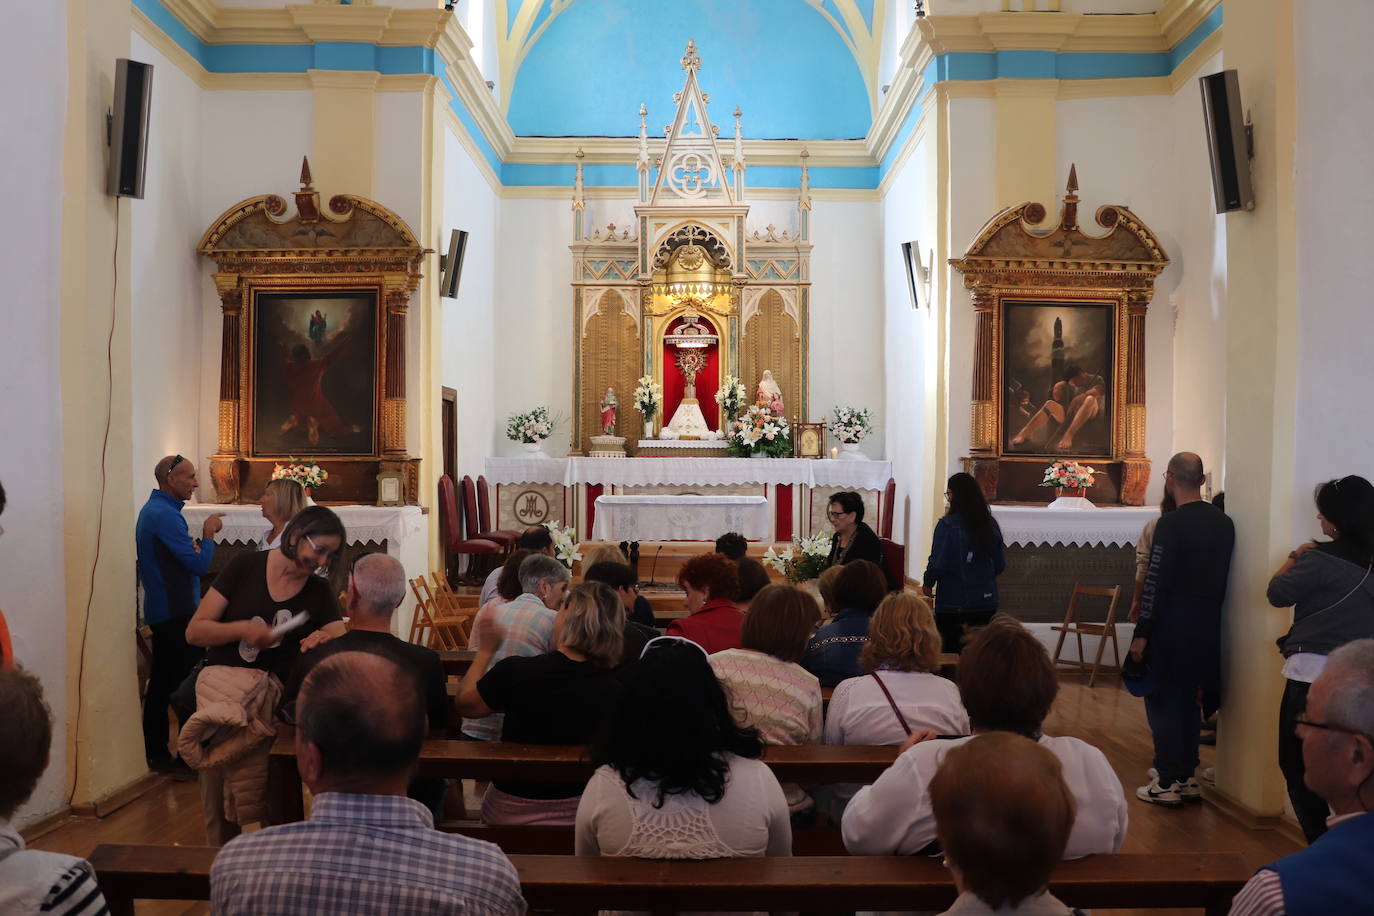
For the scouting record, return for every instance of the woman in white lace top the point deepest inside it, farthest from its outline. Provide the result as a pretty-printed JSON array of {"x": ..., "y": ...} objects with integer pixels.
[{"x": 684, "y": 785}]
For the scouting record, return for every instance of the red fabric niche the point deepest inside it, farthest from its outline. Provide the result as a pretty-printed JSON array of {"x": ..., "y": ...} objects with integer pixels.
[{"x": 708, "y": 381}]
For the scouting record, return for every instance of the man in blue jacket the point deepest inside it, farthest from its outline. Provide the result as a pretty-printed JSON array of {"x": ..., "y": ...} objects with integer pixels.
[
  {"x": 170, "y": 565},
  {"x": 1336, "y": 873}
]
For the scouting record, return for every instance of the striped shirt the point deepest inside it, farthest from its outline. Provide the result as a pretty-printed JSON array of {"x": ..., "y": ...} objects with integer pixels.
[
  {"x": 528, "y": 623},
  {"x": 45, "y": 882},
  {"x": 363, "y": 854},
  {"x": 1262, "y": 895}
]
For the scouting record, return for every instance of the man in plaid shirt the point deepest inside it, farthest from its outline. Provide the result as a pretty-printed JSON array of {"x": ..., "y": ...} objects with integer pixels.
[{"x": 367, "y": 848}]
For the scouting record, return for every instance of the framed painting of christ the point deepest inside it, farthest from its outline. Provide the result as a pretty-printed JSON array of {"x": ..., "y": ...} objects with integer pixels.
[
  {"x": 1057, "y": 379},
  {"x": 314, "y": 372}
]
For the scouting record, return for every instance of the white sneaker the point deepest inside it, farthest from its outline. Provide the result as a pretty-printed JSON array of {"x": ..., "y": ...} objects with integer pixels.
[
  {"x": 1190, "y": 790},
  {"x": 1170, "y": 796}
]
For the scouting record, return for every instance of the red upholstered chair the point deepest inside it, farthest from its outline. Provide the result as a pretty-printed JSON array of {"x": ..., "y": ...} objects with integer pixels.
[
  {"x": 6, "y": 647},
  {"x": 889, "y": 501},
  {"x": 473, "y": 527},
  {"x": 451, "y": 532},
  {"x": 894, "y": 563},
  {"x": 503, "y": 536}
]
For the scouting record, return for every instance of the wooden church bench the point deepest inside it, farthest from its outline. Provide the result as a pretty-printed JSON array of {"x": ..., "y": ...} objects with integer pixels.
[{"x": 817, "y": 884}]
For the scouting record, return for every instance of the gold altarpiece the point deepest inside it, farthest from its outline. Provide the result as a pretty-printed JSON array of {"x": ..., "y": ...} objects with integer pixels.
[
  {"x": 357, "y": 252},
  {"x": 689, "y": 252},
  {"x": 1017, "y": 267}
]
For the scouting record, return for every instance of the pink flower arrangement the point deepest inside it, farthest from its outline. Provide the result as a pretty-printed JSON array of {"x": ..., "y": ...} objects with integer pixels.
[{"x": 1068, "y": 475}]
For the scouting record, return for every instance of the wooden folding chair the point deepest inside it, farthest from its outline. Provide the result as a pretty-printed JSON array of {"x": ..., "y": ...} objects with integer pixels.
[
  {"x": 424, "y": 604},
  {"x": 1102, "y": 631}
]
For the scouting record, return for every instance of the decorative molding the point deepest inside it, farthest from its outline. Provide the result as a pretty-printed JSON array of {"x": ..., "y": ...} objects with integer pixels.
[
  {"x": 624, "y": 150},
  {"x": 630, "y": 193},
  {"x": 1188, "y": 67},
  {"x": 344, "y": 79}
]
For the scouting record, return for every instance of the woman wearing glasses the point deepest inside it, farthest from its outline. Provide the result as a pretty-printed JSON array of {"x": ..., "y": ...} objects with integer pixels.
[
  {"x": 248, "y": 661},
  {"x": 852, "y": 540},
  {"x": 1331, "y": 590},
  {"x": 688, "y": 785}
]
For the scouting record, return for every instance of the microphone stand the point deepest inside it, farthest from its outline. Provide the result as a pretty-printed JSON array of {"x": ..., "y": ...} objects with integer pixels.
[{"x": 651, "y": 583}]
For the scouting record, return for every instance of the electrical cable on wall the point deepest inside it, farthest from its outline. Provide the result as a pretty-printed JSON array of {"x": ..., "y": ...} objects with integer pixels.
[{"x": 100, "y": 508}]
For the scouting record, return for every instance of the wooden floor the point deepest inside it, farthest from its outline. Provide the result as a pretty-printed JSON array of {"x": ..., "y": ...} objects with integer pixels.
[{"x": 1104, "y": 715}]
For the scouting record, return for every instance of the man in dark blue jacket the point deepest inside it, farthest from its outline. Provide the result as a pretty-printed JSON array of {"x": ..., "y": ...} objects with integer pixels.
[
  {"x": 170, "y": 565},
  {"x": 1179, "y": 631}
]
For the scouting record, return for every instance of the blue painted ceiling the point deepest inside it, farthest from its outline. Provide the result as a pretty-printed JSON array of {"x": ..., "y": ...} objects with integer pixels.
[{"x": 798, "y": 68}]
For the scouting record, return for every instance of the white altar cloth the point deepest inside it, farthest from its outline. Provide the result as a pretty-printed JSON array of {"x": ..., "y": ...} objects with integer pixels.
[
  {"x": 679, "y": 518},
  {"x": 643, "y": 471},
  {"x": 1113, "y": 526},
  {"x": 243, "y": 524}
]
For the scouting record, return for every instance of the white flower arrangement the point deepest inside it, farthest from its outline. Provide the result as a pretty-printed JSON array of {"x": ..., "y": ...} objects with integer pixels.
[
  {"x": 759, "y": 429},
  {"x": 311, "y": 476},
  {"x": 851, "y": 425},
  {"x": 1068, "y": 475},
  {"x": 732, "y": 396},
  {"x": 805, "y": 558},
  {"x": 648, "y": 397},
  {"x": 534, "y": 426},
  {"x": 564, "y": 545}
]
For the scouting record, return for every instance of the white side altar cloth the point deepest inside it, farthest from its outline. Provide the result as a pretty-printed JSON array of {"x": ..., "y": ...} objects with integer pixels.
[
  {"x": 644, "y": 471},
  {"x": 679, "y": 518},
  {"x": 1112, "y": 526},
  {"x": 244, "y": 524}
]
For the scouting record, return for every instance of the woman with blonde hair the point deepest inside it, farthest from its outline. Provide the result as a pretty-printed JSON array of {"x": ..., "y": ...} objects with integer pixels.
[
  {"x": 767, "y": 689},
  {"x": 555, "y": 698},
  {"x": 902, "y": 693},
  {"x": 281, "y": 501}
]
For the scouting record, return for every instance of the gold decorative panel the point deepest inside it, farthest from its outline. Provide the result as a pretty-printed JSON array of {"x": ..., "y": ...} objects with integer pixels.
[
  {"x": 773, "y": 341},
  {"x": 611, "y": 358}
]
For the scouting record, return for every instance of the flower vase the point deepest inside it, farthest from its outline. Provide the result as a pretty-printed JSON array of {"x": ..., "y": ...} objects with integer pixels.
[
  {"x": 849, "y": 451},
  {"x": 534, "y": 449},
  {"x": 758, "y": 454},
  {"x": 648, "y": 429},
  {"x": 1071, "y": 498}
]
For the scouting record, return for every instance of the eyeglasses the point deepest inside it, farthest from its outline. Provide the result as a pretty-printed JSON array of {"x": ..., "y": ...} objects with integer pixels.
[
  {"x": 176, "y": 460},
  {"x": 662, "y": 642},
  {"x": 1302, "y": 720},
  {"x": 329, "y": 555},
  {"x": 830, "y": 514}
]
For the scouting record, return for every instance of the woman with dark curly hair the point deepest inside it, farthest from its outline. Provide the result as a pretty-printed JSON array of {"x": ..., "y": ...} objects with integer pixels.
[
  {"x": 712, "y": 584},
  {"x": 682, "y": 786},
  {"x": 1331, "y": 590}
]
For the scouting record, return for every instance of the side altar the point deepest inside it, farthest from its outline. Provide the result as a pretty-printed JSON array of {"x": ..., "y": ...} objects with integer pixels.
[{"x": 688, "y": 300}]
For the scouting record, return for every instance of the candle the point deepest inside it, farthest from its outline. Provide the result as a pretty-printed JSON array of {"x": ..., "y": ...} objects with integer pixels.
[{"x": 834, "y": 452}]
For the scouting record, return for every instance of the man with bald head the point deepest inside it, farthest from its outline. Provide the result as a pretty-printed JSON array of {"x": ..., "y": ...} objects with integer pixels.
[
  {"x": 1178, "y": 634},
  {"x": 367, "y": 849},
  {"x": 170, "y": 565}
]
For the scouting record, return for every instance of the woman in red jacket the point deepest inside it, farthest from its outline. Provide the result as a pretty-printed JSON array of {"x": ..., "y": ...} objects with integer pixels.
[{"x": 712, "y": 584}]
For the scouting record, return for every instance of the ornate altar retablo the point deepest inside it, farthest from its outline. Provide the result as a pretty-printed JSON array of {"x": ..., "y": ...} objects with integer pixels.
[
  {"x": 1059, "y": 348},
  {"x": 688, "y": 295},
  {"x": 313, "y": 359}
]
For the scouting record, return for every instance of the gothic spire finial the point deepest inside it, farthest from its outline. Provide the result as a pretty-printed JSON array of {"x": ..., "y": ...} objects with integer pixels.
[
  {"x": 1073, "y": 178},
  {"x": 691, "y": 61},
  {"x": 305, "y": 173}
]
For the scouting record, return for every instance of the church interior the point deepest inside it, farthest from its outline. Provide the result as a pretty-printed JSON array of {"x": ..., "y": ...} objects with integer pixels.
[{"x": 645, "y": 273}]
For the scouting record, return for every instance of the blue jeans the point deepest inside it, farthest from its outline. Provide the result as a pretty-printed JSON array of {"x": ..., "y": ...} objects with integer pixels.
[{"x": 1175, "y": 722}]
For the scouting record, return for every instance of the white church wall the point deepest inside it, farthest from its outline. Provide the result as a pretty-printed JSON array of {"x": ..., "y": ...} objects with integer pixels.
[
  {"x": 251, "y": 143},
  {"x": 468, "y": 323},
  {"x": 34, "y": 80},
  {"x": 1335, "y": 131},
  {"x": 972, "y": 133},
  {"x": 909, "y": 215},
  {"x": 1117, "y": 145},
  {"x": 168, "y": 315}
]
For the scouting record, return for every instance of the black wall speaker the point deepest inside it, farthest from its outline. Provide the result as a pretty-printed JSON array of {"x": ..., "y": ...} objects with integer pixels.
[
  {"x": 129, "y": 128},
  {"x": 1228, "y": 141},
  {"x": 451, "y": 265}
]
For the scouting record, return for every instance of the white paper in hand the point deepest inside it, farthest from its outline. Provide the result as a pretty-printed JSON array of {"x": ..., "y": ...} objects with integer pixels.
[{"x": 295, "y": 622}]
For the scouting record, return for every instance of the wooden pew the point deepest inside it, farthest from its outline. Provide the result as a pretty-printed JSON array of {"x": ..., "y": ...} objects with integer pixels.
[
  {"x": 807, "y": 765},
  {"x": 456, "y": 661},
  {"x": 816, "y": 884},
  {"x": 558, "y": 841}
]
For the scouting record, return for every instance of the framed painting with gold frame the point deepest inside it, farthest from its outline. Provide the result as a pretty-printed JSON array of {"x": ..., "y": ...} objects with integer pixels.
[{"x": 1059, "y": 349}]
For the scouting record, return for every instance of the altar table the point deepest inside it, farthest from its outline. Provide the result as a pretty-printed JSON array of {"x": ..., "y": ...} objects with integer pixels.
[
  {"x": 680, "y": 518},
  {"x": 1109, "y": 526},
  {"x": 531, "y": 490}
]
